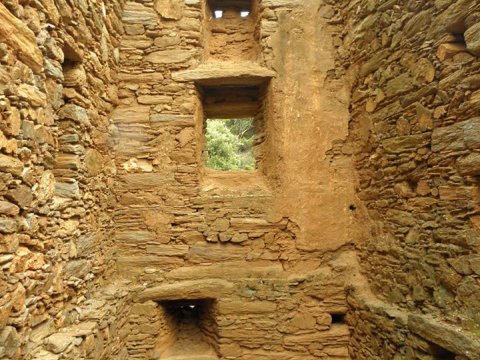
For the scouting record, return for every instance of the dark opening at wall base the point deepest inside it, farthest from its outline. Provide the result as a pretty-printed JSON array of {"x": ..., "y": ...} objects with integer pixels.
[{"x": 189, "y": 333}]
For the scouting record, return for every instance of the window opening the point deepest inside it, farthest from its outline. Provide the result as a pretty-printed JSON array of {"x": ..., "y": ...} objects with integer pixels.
[
  {"x": 338, "y": 318},
  {"x": 230, "y": 144},
  {"x": 244, "y": 13},
  {"x": 218, "y": 14}
]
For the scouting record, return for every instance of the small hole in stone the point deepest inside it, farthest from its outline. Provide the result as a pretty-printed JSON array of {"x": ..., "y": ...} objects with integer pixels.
[
  {"x": 244, "y": 13},
  {"x": 338, "y": 318},
  {"x": 352, "y": 207},
  {"x": 218, "y": 14}
]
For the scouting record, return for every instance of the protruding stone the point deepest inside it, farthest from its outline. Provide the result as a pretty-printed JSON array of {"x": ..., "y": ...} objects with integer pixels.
[
  {"x": 449, "y": 50},
  {"x": 7, "y": 208},
  {"x": 8, "y": 225},
  {"x": 220, "y": 225},
  {"x": 21, "y": 195},
  {"x": 75, "y": 113},
  {"x": 17, "y": 35},
  {"x": 32, "y": 95},
  {"x": 169, "y": 56},
  {"x": 170, "y": 9},
  {"x": 472, "y": 39},
  {"x": 11, "y": 165},
  {"x": 46, "y": 186},
  {"x": 136, "y": 13},
  {"x": 74, "y": 75},
  {"x": 188, "y": 290},
  {"x": 68, "y": 190},
  {"x": 57, "y": 343},
  {"x": 226, "y": 72},
  {"x": 93, "y": 162}
]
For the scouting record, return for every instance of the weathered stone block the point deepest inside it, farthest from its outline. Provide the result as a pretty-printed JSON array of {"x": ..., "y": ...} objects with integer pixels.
[
  {"x": 68, "y": 190},
  {"x": 8, "y": 225},
  {"x": 10, "y": 340},
  {"x": 472, "y": 39},
  {"x": 399, "y": 85},
  {"x": 188, "y": 290},
  {"x": 459, "y": 136},
  {"x": 169, "y": 56},
  {"x": 449, "y": 50},
  {"x": 57, "y": 343},
  {"x": 32, "y": 95},
  {"x": 445, "y": 335},
  {"x": 281, "y": 3},
  {"x": 230, "y": 307},
  {"x": 148, "y": 181},
  {"x": 469, "y": 165},
  {"x": 16, "y": 34},
  {"x": 147, "y": 77},
  {"x": 136, "y": 13},
  {"x": 173, "y": 120},
  {"x": 7, "y": 208},
  {"x": 170, "y": 9},
  {"x": 453, "y": 18},
  {"x": 21, "y": 195},
  {"x": 75, "y": 113},
  {"x": 138, "y": 42},
  {"x": 11, "y": 165},
  {"x": 166, "y": 41},
  {"x": 226, "y": 72},
  {"x": 77, "y": 268},
  {"x": 74, "y": 75},
  {"x": 407, "y": 143},
  {"x": 131, "y": 114},
  {"x": 93, "y": 162}
]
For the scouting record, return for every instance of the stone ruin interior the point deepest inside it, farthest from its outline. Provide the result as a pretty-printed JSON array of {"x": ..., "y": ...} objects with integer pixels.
[{"x": 356, "y": 235}]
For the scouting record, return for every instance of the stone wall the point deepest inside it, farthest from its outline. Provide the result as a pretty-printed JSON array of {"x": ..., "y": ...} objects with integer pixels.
[
  {"x": 413, "y": 68},
  {"x": 366, "y": 144},
  {"x": 57, "y": 88},
  {"x": 251, "y": 241}
]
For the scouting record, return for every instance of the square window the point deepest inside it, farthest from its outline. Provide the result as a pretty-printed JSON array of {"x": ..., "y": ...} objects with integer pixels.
[
  {"x": 232, "y": 127},
  {"x": 229, "y": 144},
  {"x": 230, "y": 29}
]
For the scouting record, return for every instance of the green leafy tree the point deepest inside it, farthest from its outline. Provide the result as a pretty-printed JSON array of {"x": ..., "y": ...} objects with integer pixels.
[{"x": 229, "y": 144}]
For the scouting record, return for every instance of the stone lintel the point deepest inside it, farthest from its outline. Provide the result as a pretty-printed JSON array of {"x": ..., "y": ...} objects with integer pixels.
[
  {"x": 447, "y": 336},
  {"x": 226, "y": 73},
  {"x": 187, "y": 290}
]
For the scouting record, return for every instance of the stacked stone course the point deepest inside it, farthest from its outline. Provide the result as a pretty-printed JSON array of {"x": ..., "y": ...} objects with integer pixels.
[
  {"x": 57, "y": 65},
  {"x": 355, "y": 237},
  {"x": 414, "y": 137}
]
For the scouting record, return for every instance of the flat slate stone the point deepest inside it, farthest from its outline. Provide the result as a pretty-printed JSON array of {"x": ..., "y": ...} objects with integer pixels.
[
  {"x": 17, "y": 35},
  {"x": 169, "y": 56},
  {"x": 447, "y": 336},
  {"x": 226, "y": 73},
  {"x": 135, "y": 13},
  {"x": 188, "y": 290}
]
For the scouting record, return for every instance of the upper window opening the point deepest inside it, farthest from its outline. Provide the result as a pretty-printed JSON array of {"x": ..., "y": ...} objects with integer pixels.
[
  {"x": 232, "y": 125},
  {"x": 230, "y": 144},
  {"x": 244, "y": 13},
  {"x": 218, "y": 14}
]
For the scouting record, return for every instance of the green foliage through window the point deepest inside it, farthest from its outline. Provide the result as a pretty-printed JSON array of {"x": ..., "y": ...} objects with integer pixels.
[{"x": 230, "y": 144}]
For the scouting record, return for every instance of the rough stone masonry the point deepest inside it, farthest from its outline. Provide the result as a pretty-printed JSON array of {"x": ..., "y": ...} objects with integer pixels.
[{"x": 357, "y": 236}]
